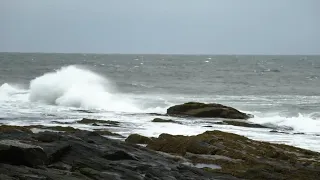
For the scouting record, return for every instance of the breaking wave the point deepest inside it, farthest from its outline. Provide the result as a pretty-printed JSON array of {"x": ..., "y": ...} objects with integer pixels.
[
  {"x": 78, "y": 87},
  {"x": 307, "y": 123}
]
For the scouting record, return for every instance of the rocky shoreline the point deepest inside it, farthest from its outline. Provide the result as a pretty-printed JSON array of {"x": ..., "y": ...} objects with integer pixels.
[
  {"x": 86, "y": 155},
  {"x": 62, "y": 152}
]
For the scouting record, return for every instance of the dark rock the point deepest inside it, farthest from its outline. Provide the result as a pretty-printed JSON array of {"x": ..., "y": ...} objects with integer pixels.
[
  {"x": 195, "y": 109},
  {"x": 53, "y": 128},
  {"x": 6, "y": 128},
  {"x": 94, "y": 174},
  {"x": 281, "y": 132},
  {"x": 59, "y": 152},
  {"x": 241, "y": 123},
  {"x": 241, "y": 156},
  {"x": 97, "y": 122},
  {"x": 156, "y": 114},
  {"x": 5, "y": 177},
  {"x": 47, "y": 137},
  {"x": 137, "y": 139},
  {"x": 84, "y": 111},
  {"x": 68, "y": 155},
  {"x": 59, "y": 122},
  {"x": 60, "y": 166},
  {"x": 90, "y": 141},
  {"x": 299, "y": 133},
  {"x": 61, "y": 128},
  {"x": 107, "y": 133},
  {"x": 164, "y": 120},
  {"x": 119, "y": 155},
  {"x": 18, "y": 153}
]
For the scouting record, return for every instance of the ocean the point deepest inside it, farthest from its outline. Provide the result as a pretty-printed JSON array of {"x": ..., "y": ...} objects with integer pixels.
[{"x": 282, "y": 92}]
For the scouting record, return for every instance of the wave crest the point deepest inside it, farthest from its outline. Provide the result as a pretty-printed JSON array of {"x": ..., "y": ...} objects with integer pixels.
[
  {"x": 308, "y": 123},
  {"x": 78, "y": 87}
]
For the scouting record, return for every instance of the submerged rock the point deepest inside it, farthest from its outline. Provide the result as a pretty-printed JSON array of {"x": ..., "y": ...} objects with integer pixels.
[
  {"x": 280, "y": 132},
  {"x": 60, "y": 122},
  {"x": 97, "y": 122},
  {"x": 159, "y": 120},
  {"x": 195, "y": 109},
  {"x": 84, "y": 111},
  {"x": 241, "y": 124},
  {"x": 241, "y": 156}
]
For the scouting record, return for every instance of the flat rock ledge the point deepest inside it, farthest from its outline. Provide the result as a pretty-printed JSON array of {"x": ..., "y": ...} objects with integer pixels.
[
  {"x": 217, "y": 151},
  {"x": 87, "y": 155},
  {"x": 79, "y": 154}
]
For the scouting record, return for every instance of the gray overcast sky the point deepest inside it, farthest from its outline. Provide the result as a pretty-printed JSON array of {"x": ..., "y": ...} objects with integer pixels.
[{"x": 161, "y": 26}]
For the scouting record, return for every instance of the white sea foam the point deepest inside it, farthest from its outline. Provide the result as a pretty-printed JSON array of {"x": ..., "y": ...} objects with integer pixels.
[
  {"x": 11, "y": 92},
  {"x": 8, "y": 89},
  {"x": 77, "y": 87},
  {"x": 306, "y": 123}
]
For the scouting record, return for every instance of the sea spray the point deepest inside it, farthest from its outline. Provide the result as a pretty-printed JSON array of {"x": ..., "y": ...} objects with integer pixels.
[
  {"x": 9, "y": 92},
  {"x": 306, "y": 123},
  {"x": 78, "y": 87}
]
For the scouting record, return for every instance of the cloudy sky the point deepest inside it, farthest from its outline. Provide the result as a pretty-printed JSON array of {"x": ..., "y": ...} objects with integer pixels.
[{"x": 161, "y": 26}]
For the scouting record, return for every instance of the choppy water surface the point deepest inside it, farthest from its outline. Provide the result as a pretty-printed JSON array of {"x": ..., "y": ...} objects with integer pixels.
[{"x": 281, "y": 91}]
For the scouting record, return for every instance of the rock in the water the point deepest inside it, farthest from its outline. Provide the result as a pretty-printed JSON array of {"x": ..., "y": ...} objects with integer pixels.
[
  {"x": 164, "y": 120},
  {"x": 241, "y": 123},
  {"x": 61, "y": 128},
  {"x": 241, "y": 156},
  {"x": 97, "y": 122},
  {"x": 281, "y": 132},
  {"x": 299, "y": 133},
  {"x": 137, "y": 139},
  {"x": 195, "y": 109},
  {"x": 18, "y": 153},
  {"x": 107, "y": 133}
]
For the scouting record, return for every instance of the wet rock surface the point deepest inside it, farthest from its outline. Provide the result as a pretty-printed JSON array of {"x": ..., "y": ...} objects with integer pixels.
[
  {"x": 217, "y": 151},
  {"x": 241, "y": 124},
  {"x": 137, "y": 139},
  {"x": 160, "y": 120},
  {"x": 196, "y": 109},
  {"x": 86, "y": 155},
  {"x": 98, "y": 122}
]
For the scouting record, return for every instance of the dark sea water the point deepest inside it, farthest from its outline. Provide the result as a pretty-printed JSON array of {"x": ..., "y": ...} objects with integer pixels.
[{"x": 282, "y": 92}]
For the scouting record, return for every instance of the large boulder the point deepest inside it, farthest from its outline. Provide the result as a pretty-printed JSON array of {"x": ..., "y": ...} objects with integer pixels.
[
  {"x": 18, "y": 153},
  {"x": 195, "y": 109}
]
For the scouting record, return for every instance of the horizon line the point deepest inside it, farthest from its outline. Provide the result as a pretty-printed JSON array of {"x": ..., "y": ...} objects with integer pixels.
[{"x": 181, "y": 54}]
